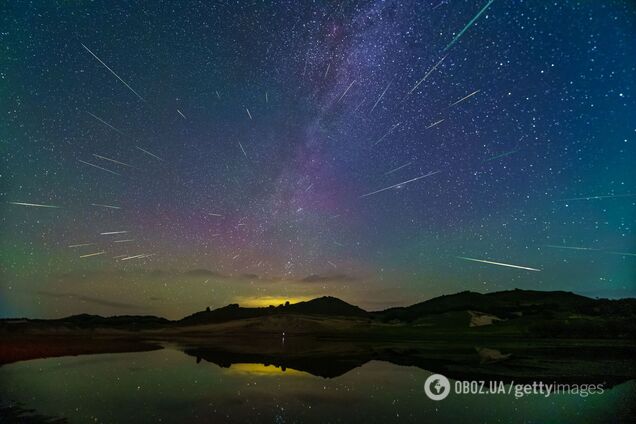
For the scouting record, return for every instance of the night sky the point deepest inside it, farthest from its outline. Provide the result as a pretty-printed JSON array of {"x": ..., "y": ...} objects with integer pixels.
[{"x": 238, "y": 152}]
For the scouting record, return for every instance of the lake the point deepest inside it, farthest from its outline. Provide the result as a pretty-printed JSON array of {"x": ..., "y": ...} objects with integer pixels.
[{"x": 170, "y": 386}]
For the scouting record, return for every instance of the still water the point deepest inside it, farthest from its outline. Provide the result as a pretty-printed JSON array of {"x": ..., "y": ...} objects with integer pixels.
[{"x": 169, "y": 386}]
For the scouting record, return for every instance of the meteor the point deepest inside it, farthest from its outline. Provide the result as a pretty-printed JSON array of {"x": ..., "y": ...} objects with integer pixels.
[
  {"x": 98, "y": 167},
  {"x": 123, "y": 241},
  {"x": 148, "y": 153},
  {"x": 380, "y": 98},
  {"x": 359, "y": 104},
  {"x": 398, "y": 168},
  {"x": 387, "y": 133},
  {"x": 400, "y": 184},
  {"x": 105, "y": 123},
  {"x": 465, "y": 98},
  {"x": 113, "y": 72},
  {"x": 499, "y": 264},
  {"x": 622, "y": 253},
  {"x": 111, "y": 160},
  {"x": 345, "y": 92},
  {"x": 143, "y": 255},
  {"x": 182, "y": 115},
  {"x": 435, "y": 124},
  {"x": 72, "y": 246},
  {"x": 472, "y": 21},
  {"x": 502, "y": 155},
  {"x": 427, "y": 74},
  {"x": 554, "y": 246},
  {"x": 214, "y": 214},
  {"x": 105, "y": 206},
  {"x": 332, "y": 264},
  {"x": 112, "y": 232},
  {"x": 248, "y": 113},
  {"x": 93, "y": 254},
  {"x": 596, "y": 197},
  {"x": 35, "y": 205},
  {"x": 242, "y": 149}
]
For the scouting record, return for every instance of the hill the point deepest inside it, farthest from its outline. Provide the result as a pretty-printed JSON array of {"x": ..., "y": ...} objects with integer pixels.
[
  {"x": 322, "y": 306},
  {"x": 526, "y": 313},
  {"x": 503, "y": 304}
]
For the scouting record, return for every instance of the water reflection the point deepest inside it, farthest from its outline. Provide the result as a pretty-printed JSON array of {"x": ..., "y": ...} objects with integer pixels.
[
  {"x": 264, "y": 370},
  {"x": 172, "y": 387}
]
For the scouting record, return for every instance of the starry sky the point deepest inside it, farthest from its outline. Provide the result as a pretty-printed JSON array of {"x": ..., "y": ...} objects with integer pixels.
[{"x": 161, "y": 157}]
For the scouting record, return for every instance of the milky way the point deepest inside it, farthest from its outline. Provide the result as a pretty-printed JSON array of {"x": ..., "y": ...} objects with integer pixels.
[{"x": 167, "y": 157}]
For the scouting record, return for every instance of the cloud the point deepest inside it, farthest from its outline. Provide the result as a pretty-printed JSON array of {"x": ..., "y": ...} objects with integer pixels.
[
  {"x": 201, "y": 272},
  {"x": 93, "y": 300},
  {"x": 332, "y": 278}
]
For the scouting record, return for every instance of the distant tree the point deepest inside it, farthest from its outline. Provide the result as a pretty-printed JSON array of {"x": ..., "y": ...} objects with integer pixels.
[
  {"x": 207, "y": 309},
  {"x": 287, "y": 303}
]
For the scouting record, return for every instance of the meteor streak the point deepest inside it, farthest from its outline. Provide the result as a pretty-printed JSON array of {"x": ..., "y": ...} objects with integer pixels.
[
  {"x": 35, "y": 205},
  {"x": 182, "y": 115},
  {"x": 72, "y": 246},
  {"x": 622, "y": 253},
  {"x": 113, "y": 72},
  {"x": 387, "y": 133},
  {"x": 427, "y": 74},
  {"x": 111, "y": 160},
  {"x": 501, "y": 155},
  {"x": 148, "y": 153},
  {"x": 123, "y": 241},
  {"x": 613, "y": 196},
  {"x": 465, "y": 98},
  {"x": 472, "y": 21},
  {"x": 105, "y": 206},
  {"x": 112, "y": 232},
  {"x": 400, "y": 184},
  {"x": 143, "y": 255},
  {"x": 105, "y": 123},
  {"x": 380, "y": 98},
  {"x": 248, "y": 113},
  {"x": 398, "y": 168},
  {"x": 242, "y": 149},
  {"x": 98, "y": 167},
  {"x": 435, "y": 124},
  {"x": 499, "y": 263},
  {"x": 554, "y": 246},
  {"x": 359, "y": 104},
  {"x": 93, "y": 254},
  {"x": 345, "y": 92}
]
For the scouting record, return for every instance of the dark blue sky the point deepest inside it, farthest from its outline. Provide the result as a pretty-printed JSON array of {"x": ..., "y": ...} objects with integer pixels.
[{"x": 249, "y": 137}]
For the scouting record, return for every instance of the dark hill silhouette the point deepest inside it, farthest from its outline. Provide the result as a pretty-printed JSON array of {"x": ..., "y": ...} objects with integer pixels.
[
  {"x": 504, "y": 303},
  {"x": 541, "y": 313},
  {"x": 323, "y": 306}
]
